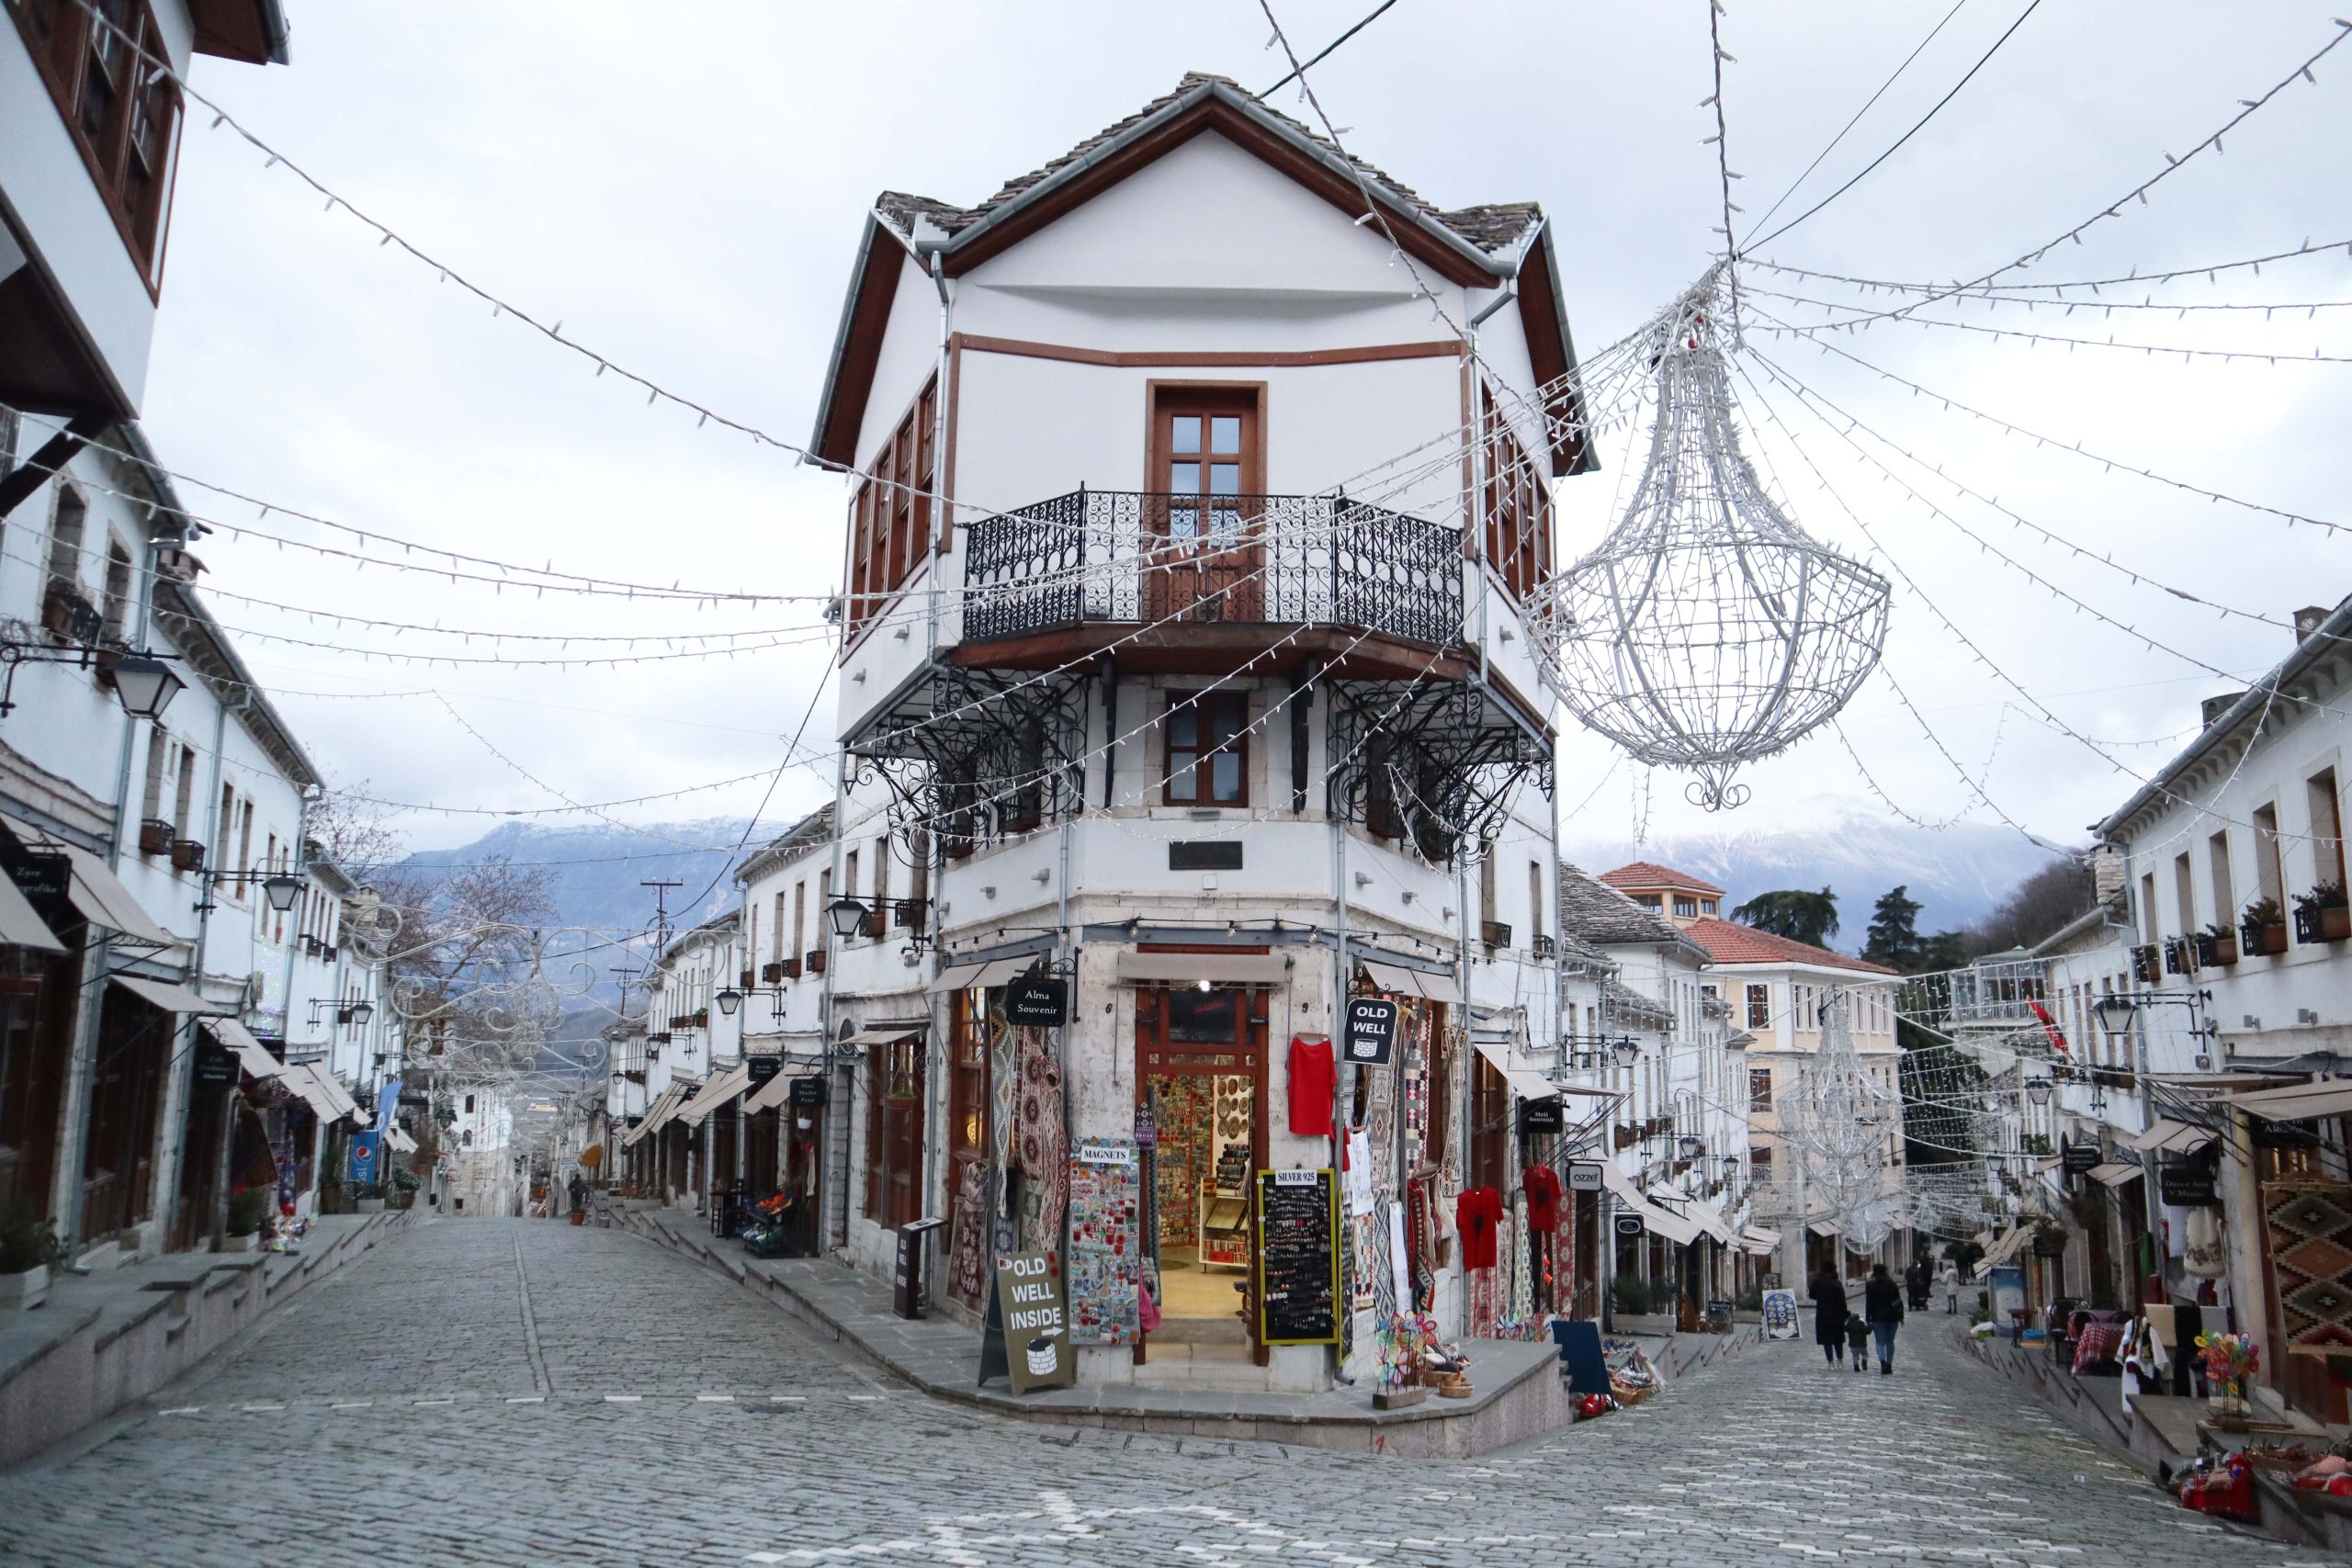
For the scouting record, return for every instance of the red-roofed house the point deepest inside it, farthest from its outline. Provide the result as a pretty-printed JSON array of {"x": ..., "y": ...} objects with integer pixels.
[{"x": 1777, "y": 990}]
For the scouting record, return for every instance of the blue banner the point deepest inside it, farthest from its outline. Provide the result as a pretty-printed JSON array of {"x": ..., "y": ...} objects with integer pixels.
[{"x": 364, "y": 1148}]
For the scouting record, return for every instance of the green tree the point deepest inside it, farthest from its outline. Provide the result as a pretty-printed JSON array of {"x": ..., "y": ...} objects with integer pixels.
[
  {"x": 1894, "y": 936},
  {"x": 1808, "y": 917}
]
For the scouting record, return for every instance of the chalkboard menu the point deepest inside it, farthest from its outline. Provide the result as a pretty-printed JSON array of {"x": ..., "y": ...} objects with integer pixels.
[{"x": 1298, "y": 1257}]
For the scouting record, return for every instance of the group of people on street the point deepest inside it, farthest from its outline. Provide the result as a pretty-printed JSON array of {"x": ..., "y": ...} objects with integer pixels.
[{"x": 1839, "y": 1330}]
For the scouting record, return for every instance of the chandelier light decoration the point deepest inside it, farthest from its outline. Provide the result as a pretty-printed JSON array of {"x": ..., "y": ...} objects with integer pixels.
[
  {"x": 1708, "y": 630},
  {"x": 1841, "y": 1125}
]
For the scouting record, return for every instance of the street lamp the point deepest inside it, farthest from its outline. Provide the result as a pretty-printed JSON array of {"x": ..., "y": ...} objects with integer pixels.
[
  {"x": 847, "y": 915},
  {"x": 361, "y": 1012},
  {"x": 144, "y": 686},
  {"x": 2038, "y": 1090},
  {"x": 1690, "y": 1144},
  {"x": 730, "y": 998},
  {"x": 2115, "y": 1012},
  {"x": 1624, "y": 1050},
  {"x": 1731, "y": 1166},
  {"x": 282, "y": 891}
]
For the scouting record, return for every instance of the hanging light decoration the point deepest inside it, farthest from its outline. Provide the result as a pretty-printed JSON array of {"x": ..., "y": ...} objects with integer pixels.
[
  {"x": 1708, "y": 630},
  {"x": 1839, "y": 1122}
]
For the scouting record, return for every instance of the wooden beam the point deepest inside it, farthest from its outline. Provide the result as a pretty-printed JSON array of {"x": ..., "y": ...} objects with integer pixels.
[{"x": 37, "y": 469}]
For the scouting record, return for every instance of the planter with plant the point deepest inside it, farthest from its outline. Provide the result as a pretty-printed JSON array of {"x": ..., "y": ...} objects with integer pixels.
[
  {"x": 28, "y": 1250},
  {"x": 2217, "y": 946},
  {"x": 2263, "y": 928},
  {"x": 368, "y": 1198},
  {"x": 246, "y": 1211},
  {"x": 1630, "y": 1294},
  {"x": 2322, "y": 914}
]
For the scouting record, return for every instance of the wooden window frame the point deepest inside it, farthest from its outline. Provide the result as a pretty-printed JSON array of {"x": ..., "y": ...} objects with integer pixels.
[
  {"x": 1490, "y": 1126},
  {"x": 1518, "y": 505},
  {"x": 889, "y": 516},
  {"x": 894, "y": 1197},
  {"x": 1758, "y": 997},
  {"x": 1204, "y": 707}
]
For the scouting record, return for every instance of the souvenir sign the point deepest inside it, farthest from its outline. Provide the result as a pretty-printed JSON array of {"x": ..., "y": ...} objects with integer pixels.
[
  {"x": 2079, "y": 1159},
  {"x": 1779, "y": 1314},
  {"x": 1105, "y": 1248},
  {"x": 763, "y": 1069},
  {"x": 1371, "y": 1032},
  {"x": 1036, "y": 1001},
  {"x": 1037, "y": 1324},
  {"x": 1630, "y": 1224},
  {"x": 216, "y": 1065},
  {"x": 1541, "y": 1116},
  {"x": 1584, "y": 1175},
  {"x": 1298, "y": 1257},
  {"x": 2187, "y": 1186}
]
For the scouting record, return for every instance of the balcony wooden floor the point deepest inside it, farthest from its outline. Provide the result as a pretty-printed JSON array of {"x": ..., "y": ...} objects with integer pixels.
[{"x": 1191, "y": 648}]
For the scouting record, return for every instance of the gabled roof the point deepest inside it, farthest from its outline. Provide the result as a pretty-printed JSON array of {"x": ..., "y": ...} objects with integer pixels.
[
  {"x": 1650, "y": 874},
  {"x": 1727, "y": 941},
  {"x": 815, "y": 828},
  {"x": 1601, "y": 914},
  {"x": 1482, "y": 246}
]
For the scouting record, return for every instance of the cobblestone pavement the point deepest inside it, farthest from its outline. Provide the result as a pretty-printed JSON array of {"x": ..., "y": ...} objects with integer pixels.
[{"x": 496, "y": 1392}]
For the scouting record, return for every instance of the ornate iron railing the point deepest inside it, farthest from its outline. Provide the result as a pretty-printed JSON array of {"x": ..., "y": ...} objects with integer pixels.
[{"x": 1137, "y": 557}]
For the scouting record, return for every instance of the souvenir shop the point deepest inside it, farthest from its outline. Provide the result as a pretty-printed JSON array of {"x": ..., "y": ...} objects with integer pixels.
[{"x": 1201, "y": 1081}]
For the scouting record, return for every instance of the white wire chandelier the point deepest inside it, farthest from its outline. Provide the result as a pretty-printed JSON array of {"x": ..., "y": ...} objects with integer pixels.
[
  {"x": 1708, "y": 630},
  {"x": 1842, "y": 1124}
]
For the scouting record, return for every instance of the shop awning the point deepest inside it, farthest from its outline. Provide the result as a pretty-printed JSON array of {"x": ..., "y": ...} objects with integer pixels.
[
  {"x": 252, "y": 1057},
  {"x": 169, "y": 996},
  {"x": 681, "y": 1096},
  {"x": 721, "y": 1090},
  {"x": 2166, "y": 1136},
  {"x": 979, "y": 976},
  {"x": 1525, "y": 1081},
  {"x": 774, "y": 1092},
  {"x": 1663, "y": 1222},
  {"x": 94, "y": 888},
  {"x": 1397, "y": 980},
  {"x": 886, "y": 1032},
  {"x": 1217, "y": 968},
  {"x": 398, "y": 1138},
  {"x": 1702, "y": 1215},
  {"x": 653, "y": 1115},
  {"x": 2297, "y": 1102},
  {"x": 20, "y": 925},
  {"x": 1757, "y": 1242},
  {"x": 2115, "y": 1173},
  {"x": 323, "y": 1095},
  {"x": 1823, "y": 1227},
  {"x": 2006, "y": 1248}
]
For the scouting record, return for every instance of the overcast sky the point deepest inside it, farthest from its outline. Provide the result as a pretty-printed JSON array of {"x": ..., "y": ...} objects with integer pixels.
[{"x": 683, "y": 187}]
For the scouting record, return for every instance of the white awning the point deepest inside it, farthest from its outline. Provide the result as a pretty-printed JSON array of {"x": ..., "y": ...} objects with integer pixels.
[
  {"x": 169, "y": 996},
  {"x": 1759, "y": 1241},
  {"x": 722, "y": 1088},
  {"x": 1525, "y": 1081},
  {"x": 94, "y": 888},
  {"x": 252, "y": 1058},
  {"x": 1665, "y": 1222},
  {"x": 773, "y": 1092},
  {"x": 979, "y": 976},
  {"x": 1704, "y": 1216},
  {"x": 2006, "y": 1247},
  {"x": 21, "y": 925},
  {"x": 1823, "y": 1229},
  {"x": 2166, "y": 1136},
  {"x": 2115, "y": 1173},
  {"x": 1190, "y": 968},
  {"x": 681, "y": 1095},
  {"x": 653, "y": 1114},
  {"x": 324, "y": 1097},
  {"x": 1397, "y": 980},
  {"x": 2297, "y": 1102},
  {"x": 398, "y": 1138},
  {"x": 886, "y": 1032}
]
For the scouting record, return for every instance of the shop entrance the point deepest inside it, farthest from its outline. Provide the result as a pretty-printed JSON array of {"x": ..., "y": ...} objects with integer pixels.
[{"x": 1201, "y": 1079}]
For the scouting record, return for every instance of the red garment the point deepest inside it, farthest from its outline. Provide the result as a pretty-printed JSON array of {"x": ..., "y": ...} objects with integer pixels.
[
  {"x": 1311, "y": 1083},
  {"x": 1543, "y": 1186},
  {"x": 1476, "y": 1216}
]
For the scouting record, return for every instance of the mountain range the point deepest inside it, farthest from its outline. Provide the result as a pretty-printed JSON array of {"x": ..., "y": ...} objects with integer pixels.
[{"x": 1958, "y": 873}]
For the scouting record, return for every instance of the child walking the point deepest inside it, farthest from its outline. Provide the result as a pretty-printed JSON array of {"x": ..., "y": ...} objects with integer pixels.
[{"x": 1858, "y": 1339}]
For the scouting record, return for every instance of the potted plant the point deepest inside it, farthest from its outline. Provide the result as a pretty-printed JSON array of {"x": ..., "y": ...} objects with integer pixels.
[
  {"x": 246, "y": 1211},
  {"x": 28, "y": 1250},
  {"x": 2218, "y": 945},
  {"x": 368, "y": 1198},
  {"x": 2263, "y": 928},
  {"x": 2321, "y": 914},
  {"x": 1630, "y": 1294}
]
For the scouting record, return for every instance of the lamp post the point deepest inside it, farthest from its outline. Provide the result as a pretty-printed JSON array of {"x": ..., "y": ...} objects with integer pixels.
[
  {"x": 847, "y": 916},
  {"x": 1624, "y": 1050}
]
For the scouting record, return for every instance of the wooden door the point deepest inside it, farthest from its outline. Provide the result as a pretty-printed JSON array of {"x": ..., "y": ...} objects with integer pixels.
[{"x": 1207, "y": 472}]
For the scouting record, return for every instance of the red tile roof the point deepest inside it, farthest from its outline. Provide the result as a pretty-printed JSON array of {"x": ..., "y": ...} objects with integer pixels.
[
  {"x": 1727, "y": 941},
  {"x": 1643, "y": 874}
]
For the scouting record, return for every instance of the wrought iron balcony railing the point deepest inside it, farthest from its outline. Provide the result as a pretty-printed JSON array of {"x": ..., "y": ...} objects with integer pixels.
[{"x": 1135, "y": 557}]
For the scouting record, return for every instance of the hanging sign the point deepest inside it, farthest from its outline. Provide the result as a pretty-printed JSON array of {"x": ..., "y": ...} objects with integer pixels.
[
  {"x": 1371, "y": 1032},
  {"x": 1631, "y": 1224},
  {"x": 216, "y": 1065},
  {"x": 806, "y": 1094},
  {"x": 45, "y": 879},
  {"x": 1584, "y": 1175},
  {"x": 365, "y": 1147},
  {"x": 763, "y": 1069},
  {"x": 1034, "y": 1336},
  {"x": 2187, "y": 1186},
  {"x": 1037, "y": 1001},
  {"x": 1298, "y": 1257},
  {"x": 2079, "y": 1159},
  {"x": 1541, "y": 1116}
]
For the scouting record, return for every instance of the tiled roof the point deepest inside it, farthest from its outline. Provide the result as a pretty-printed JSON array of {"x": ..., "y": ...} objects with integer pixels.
[
  {"x": 812, "y": 830},
  {"x": 1601, "y": 914},
  {"x": 1648, "y": 873},
  {"x": 1727, "y": 941},
  {"x": 1490, "y": 228},
  {"x": 1627, "y": 1005}
]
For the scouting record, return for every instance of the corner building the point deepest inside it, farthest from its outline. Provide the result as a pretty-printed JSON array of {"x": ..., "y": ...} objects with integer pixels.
[{"x": 1184, "y": 659}]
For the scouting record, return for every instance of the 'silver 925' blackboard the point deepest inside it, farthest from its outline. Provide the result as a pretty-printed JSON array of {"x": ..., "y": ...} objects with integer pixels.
[{"x": 1298, "y": 1257}]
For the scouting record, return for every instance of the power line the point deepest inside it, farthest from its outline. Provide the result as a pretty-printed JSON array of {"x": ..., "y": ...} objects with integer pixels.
[
  {"x": 2032, "y": 6},
  {"x": 1298, "y": 71}
]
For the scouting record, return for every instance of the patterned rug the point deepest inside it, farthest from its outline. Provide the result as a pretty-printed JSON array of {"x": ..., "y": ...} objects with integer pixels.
[{"x": 2311, "y": 1264}]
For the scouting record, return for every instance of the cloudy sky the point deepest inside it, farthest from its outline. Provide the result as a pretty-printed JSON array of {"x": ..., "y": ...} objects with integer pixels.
[{"x": 683, "y": 186}]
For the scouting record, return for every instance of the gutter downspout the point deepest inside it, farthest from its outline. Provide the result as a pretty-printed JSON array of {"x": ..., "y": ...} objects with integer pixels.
[
  {"x": 1473, "y": 512},
  {"x": 220, "y": 1226}
]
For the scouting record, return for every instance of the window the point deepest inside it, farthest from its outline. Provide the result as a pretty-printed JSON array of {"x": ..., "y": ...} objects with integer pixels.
[
  {"x": 1650, "y": 901},
  {"x": 1686, "y": 907},
  {"x": 2149, "y": 924},
  {"x": 2327, "y": 828},
  {"x": 2268, "y": 882},
  {"x": 65, "y": 525},
  {"x": 1759, "y": 1089},
  {"x": 1518, "y": 508},
  {"x": 2184, "y": 893},
  {"x": 1208, "y": 748},
  {"x": 225, "y": 829},
  {"x": 1759, "y": 1007},
  {"x": 849, "y": 886},
  {"x": 123, "y": 117},
  {"x": 117, "y": 613},
  {"x": 1706, "y": 906},
  {"x": 244, "y": 845},
  {"x": 1206, "y": 471},
  {"x": 891, "y": 515},
  {"x": 1489, "y": 1127},
  {"x": 881, "y": 921},
  {"x": 470, "y": 1105},
  {"x": 799, "y": 917},
  {"x": 183, "y": 802},
  {"x": 2217, "y": 852},
  {"x": 1535, "y": 899},
  {"x": 775, "y": 936},
  {"x": 159, "y": 762}
]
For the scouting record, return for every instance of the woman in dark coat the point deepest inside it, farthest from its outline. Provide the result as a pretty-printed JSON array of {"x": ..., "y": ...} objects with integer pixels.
[
  {"x": 1883, "y": 1304},
  {"x": 1829, "y": 1313}
]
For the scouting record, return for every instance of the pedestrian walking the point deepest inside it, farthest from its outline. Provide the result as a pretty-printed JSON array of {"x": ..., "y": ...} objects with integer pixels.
[
  {"x": 1950, "y": 1280},
  {"x": 1882, "y": 1307},
  {"x": 1914, "y": 1283},
  {"x": 1858, "y": 1339},
  {"x": 1829, "y": 1313}
]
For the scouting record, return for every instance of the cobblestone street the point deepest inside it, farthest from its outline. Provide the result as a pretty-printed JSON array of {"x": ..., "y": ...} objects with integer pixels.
[{"x": 484, "y": 1391}]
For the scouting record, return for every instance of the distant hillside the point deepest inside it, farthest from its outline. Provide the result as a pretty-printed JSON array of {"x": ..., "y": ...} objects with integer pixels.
[{"x": 1849, "y": 846}]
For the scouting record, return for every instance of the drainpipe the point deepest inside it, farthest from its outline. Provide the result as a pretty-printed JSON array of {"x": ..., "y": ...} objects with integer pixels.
[
  {"x": 840, "y": 1108},
  {"x": 940, "y": 518},
  {"x": 1474, "y": 514}
]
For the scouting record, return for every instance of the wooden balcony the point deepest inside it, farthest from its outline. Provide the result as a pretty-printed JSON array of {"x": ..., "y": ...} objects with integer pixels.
[{"x": 1201, "y": 585}]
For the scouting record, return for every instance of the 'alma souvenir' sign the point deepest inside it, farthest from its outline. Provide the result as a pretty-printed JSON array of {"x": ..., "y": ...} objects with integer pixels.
[{"x": 1037, "y": 1001}]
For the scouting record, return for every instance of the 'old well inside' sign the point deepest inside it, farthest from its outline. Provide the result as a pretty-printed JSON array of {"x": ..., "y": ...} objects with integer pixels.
[{"x": 1037, "y": 1324}]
